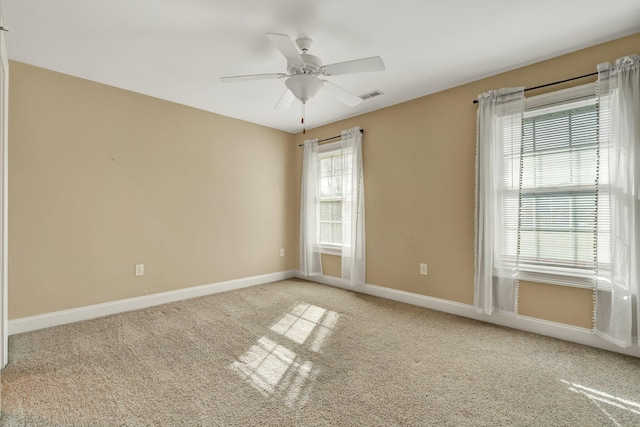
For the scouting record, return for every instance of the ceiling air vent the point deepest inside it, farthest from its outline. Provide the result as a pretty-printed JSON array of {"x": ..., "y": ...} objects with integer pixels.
[{"x": 371, "y": 94}]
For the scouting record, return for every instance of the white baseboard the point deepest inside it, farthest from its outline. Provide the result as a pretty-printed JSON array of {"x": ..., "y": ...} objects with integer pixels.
[
  {"x": 47, "y": 320},
  {"x": 529, "y": 324},
  {"x": 537, "y": 326}
]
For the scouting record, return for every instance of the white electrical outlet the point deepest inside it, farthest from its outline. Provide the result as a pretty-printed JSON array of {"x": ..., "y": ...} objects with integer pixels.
[
  {"x": 139, "y": 269},
  {"x": 282, "y": 252},
  {"x": 423, "y": 269}
]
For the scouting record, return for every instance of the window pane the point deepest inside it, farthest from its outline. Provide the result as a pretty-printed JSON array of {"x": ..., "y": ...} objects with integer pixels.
[
  {"x": 337, "y": 163},
  {"x": 330, "y": 189},
  {"x": 325, "y": 166},
  {"x": 325, "y": 211},
  {"x": 325, "y": 232},
  {"x": 326, "y": 187},
  {"x": 559, "y": 189},
  {"x": 336, "y": 211},
  {"x": 337, "y": 185},
  {"x": 336, "y": 233},
  {"x": 510, "y": 224}
]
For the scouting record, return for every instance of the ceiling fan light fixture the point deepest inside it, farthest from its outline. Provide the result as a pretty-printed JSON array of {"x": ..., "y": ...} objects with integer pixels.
[{"x": 303, "y": 87}]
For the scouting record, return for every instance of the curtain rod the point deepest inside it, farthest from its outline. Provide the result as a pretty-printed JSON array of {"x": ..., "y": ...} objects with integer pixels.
[
  {"x": 475, "y": 101},
  {"x": 331, "y": 137}
]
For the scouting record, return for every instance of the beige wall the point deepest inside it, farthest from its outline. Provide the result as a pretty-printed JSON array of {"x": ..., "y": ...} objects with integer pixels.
[
  {"x": 419, "y": 187},
  {"x": 101, "y": 179},
  {"x": 573, "y": 306}
]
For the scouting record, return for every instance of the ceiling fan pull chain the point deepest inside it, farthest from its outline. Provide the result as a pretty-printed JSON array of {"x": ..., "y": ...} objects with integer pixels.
[{"x": 304, "y": 130}]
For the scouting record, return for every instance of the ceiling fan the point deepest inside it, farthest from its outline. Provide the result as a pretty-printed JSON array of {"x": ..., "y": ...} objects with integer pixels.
[{"x": 303, "y": 71}]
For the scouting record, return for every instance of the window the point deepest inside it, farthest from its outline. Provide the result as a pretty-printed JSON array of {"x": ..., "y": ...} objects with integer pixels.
[
  {"x": 332, "y": 206},
  {"x": 562, "y": 211},
  {"x": 330, "y": 198}
]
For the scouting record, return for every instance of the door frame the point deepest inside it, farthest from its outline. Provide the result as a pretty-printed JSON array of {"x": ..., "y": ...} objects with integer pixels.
[{"x": 4, "y": 195}]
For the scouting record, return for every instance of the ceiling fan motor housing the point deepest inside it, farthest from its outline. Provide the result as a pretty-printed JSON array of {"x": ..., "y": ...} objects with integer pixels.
[
  {"x": 303, "y": 86},
  {"x": 312, "y": 65}
]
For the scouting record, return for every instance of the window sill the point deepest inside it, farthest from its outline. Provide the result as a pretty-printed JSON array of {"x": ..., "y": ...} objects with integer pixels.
[
  {"x": 583, "y": 282},
  {"x": 331, "y": 250}
]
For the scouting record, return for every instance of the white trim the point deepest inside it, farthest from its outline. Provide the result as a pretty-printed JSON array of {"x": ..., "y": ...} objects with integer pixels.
[
  {"x": 542, "y": 327},
  {"x": 330, "y": 146},
  {"x": 330, "y": 249},
  {"x": 529, "y": 324},
  {"x": 4, "y": 199},
  {"x": 577, "y": 95},
  {"x": 27, "y": 324}
]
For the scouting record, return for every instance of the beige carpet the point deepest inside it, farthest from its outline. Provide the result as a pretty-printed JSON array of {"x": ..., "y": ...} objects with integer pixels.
[{"x": 293, "y": 353}]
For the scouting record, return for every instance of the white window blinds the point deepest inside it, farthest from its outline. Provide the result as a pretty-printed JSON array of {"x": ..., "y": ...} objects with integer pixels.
[{"x": 560, "y": 196}]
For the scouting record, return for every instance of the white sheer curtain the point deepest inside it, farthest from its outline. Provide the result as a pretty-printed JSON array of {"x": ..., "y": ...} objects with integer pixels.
[
  {"x": 497, "y": 193},
  {"x": 310, "y": 263},
  {"x": 353, "y": 237},
  {"x": 617, "y": 308}
]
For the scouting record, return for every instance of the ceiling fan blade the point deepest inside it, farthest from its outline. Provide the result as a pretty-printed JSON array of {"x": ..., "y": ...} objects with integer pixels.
[
  {"x": 363, "y": 65},
  {"x": 286, "y": 47},
  {"x": 342, "y": 94},
  {"x": 285, "y": 100},
  {"x": 233, "y": 79}
]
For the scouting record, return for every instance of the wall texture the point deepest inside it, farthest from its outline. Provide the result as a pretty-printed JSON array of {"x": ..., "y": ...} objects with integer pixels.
[
  {"x": 419, "y": 187},
  {"x": 101, "y": 179}
]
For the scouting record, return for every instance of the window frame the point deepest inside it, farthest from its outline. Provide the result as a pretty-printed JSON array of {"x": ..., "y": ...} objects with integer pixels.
[
  {"x": 567, "y": 276},
  {"x": 324, "y": 150}
]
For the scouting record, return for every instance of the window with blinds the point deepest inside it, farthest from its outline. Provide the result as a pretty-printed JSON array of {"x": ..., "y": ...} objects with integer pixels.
[{"x": 562, "y": 210}]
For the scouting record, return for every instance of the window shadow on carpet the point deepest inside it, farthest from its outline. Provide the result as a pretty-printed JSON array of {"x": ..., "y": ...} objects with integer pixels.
[
  {"x": 606, "y": 402},
  {"x": 274, "y": 368}
]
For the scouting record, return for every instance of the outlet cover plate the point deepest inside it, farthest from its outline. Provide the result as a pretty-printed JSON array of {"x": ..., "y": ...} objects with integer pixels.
[
  {"x": 423, "y": 269},
  {"x": 139, "y": 269}
]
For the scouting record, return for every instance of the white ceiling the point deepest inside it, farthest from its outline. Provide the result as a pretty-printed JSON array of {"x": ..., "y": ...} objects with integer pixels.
[{"x": 178, "y": 49}]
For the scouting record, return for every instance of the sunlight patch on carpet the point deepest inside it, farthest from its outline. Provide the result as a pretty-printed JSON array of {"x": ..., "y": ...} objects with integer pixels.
[
  {"x": 302, "y": 320},
  {"x": 599, "y": 398},
  {"x": 273, "y": 368}
]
